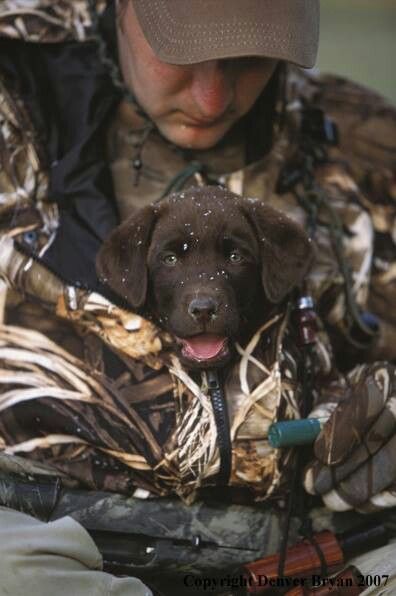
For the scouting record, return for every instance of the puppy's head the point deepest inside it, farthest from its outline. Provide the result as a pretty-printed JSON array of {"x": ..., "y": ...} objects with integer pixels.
[{"x": 207, "y": 265}]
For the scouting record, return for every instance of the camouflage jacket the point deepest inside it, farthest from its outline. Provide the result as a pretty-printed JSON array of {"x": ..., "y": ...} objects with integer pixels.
[{"x": 123, "y": 404}]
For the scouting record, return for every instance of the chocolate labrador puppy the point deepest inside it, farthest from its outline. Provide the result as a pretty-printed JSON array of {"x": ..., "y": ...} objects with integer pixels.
[{"x": 207, "y": 265}]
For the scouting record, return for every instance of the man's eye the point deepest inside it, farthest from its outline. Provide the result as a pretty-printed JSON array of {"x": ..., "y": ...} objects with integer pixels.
[
  {"x": 235, "y": 256},
  {"x": 170, "y": 259}
]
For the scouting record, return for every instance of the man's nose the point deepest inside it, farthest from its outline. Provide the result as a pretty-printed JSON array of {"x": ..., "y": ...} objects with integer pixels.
[
  {"x": 212, "y": 88},
  {"x": 203, "y": 309}
]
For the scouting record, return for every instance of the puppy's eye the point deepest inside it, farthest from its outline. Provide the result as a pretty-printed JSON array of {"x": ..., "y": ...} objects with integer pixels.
[
  {"x": 235, "y": 256},
  {"x": 170, "y": 259}
]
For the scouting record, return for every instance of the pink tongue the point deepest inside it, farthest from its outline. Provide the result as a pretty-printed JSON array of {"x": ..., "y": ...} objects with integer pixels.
[{"x": 203, "y": 347}]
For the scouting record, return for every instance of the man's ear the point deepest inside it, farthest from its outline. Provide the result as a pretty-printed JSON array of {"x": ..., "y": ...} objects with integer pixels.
[
  {"x": 285, "y": 250},
  {"x": 121, "y": 262}
]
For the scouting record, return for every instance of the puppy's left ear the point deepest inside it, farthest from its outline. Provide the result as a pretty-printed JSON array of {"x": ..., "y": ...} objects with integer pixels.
[
  {"x": 122, "y": 259},
  {"x": 285, "y": 250}
]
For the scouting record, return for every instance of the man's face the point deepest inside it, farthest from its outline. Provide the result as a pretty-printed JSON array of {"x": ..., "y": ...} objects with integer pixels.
[{"x": 192, "y": 105}]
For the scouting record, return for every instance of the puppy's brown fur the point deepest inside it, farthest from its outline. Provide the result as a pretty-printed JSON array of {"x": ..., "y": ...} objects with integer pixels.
[{"x": 207, "y": 265}]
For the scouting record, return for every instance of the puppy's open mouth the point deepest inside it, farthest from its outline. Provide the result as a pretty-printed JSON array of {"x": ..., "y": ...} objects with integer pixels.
[{"x": 204, "y": 347}]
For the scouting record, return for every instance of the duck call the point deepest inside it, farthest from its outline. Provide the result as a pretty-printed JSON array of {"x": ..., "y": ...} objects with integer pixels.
[{"x": 323, "y": 554}]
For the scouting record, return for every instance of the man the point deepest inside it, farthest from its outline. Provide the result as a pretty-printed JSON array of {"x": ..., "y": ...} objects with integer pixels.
[{"x": 211, "y": 97}]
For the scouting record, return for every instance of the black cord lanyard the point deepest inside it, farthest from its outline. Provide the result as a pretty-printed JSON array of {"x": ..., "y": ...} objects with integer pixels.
[{"x": 298, "y": 502}]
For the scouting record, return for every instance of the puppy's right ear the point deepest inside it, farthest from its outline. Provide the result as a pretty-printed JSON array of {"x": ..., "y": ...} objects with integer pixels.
[
  {"x": 121, "y": 262},
  {"x": 285, "y": 249}
]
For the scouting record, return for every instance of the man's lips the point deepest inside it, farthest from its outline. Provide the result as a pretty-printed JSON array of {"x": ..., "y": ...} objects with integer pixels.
[
  {"x": 205, "y": 122},
  {"x": 203, "y": 347},
  {"x": 201, "y": 123}
]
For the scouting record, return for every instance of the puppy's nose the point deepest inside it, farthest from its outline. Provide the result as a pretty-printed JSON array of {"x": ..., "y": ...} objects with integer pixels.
[{"x": 202, "y": 308}]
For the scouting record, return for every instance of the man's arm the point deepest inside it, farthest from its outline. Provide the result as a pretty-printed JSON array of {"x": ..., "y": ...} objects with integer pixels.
[{"x": 367, "y": 142}]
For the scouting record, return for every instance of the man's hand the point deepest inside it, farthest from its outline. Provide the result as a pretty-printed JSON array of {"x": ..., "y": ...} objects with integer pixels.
[{"x": 355, "y": 466}]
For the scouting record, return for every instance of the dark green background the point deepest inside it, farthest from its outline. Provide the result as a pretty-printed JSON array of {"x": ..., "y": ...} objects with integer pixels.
[{"x": 358, "y": 40}]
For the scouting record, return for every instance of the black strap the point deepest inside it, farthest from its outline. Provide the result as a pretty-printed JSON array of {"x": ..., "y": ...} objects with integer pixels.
[
  {"x": 324, "y": 570},
  {"x": 297, "y": 501}
]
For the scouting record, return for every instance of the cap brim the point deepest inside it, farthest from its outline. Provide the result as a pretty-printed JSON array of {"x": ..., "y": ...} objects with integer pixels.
[{"x": 191, "y": 31}]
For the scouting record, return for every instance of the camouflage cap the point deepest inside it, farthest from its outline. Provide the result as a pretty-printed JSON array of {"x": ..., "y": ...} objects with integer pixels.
[{"x": 183, "y": 32}]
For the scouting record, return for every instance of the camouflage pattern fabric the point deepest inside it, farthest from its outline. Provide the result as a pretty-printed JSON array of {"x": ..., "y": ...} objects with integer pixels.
[
  {"x": 354, "y": 184},
  {"x": 129, "y": 434},
  {"x": 45, "y": 21}
]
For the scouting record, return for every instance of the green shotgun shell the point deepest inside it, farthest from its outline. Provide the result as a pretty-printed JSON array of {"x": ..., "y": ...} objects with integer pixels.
[{"x": 294, "y": 432}]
